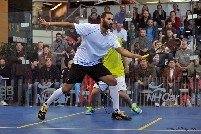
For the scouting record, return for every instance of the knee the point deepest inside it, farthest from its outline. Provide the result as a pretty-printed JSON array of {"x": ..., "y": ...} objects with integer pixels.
[{"x": 112, "y": 82}]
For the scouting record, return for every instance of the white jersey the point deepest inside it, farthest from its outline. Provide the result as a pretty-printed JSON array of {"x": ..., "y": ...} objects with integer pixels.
[{"x": 94, "y": 45}]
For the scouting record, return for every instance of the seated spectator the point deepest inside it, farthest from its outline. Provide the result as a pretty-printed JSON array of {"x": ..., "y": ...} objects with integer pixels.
[
  {"x": 172, "y": 77},
  {"x": 143, "y": 20},
  {"x": 46, "y": 53},
  {"x": 50, "y": 74},
  {"x": 121, "y": 15},
  {"x": 121, "y": 33},
  {"x": 4, "y": 73},
  {"x": 107, "y": 8},
  {"x": 159, "y": 16},
  {"x": 152, "y": 31},
  {"x": 132, "y": 34},
  {"x": 71, "y": 33},
  {"x": 168, "y": 25},
  {"x": 176, "y": 21},
  {"x": 136, "y": 17},
  {"x": 38, "y": 50},
  {"x": 145, "y": 43},
  {"x": 70, "y": 53},
  {"x": 94, "y": 18},
  {"x": 186, "y": 20},
  {"x": 145, "y": 74},
  {"x": 177, "y": 11},
  {"x": 183, "y": 56}
]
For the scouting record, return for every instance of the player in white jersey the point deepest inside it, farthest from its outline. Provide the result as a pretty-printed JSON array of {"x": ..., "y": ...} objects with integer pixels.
[{"x": 96, "y": 40}]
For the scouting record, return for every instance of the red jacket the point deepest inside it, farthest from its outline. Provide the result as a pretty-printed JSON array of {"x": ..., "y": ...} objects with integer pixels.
[{"x": 177, "y": 23}]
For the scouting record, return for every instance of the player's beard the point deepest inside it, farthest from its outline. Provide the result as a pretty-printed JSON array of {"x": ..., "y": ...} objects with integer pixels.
[{"x": 106, "y": 25}]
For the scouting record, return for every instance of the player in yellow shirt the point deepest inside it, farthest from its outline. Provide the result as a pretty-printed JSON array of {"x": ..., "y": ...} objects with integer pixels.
[{"x": 113, "y": 62}]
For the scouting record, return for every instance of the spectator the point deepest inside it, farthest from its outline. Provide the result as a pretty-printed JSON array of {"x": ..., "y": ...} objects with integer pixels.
[
  {"x": 186, "y": 20},
  {"x": 58, "y": 48},
  {"x": 32, "y": 81},
  {"x": 151, "y": 30},
  {"x": 18, "y": 70},
  {"x": 176, "y": 22},
  {"x": 107, "y": 8},
  {"x": 172, "y": 76},
  {"x": 50, "y": 74},
  {"x": 121, "y": 15},
  {"x": 183, "y": 56},
  {"x": 71, "y": 33},
  {"x": 145, "y": 43},
  {"x": 38, "y": 50},
  {"x": 143, "y": 20},
  {"x": 94, "y": 17},
  {"x": 197, "y": 11},
  {"x": 136, "y": 17},
  {"x": 70, "y": 53},
  {"x": 46, "y": 53},
  {"x": 121, "y": 33},
  {"x": 177, "y": 11},
  {"x": 144, "y": 75},
  {"x": 159, "y": 16},
  {"x": 132, "y": 34},
  {"x": 4, "y": 73}
]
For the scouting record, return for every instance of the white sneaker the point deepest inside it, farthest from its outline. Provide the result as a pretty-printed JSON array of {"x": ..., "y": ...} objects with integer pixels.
[
  {"x": 157, "y": 104},
  {"x": 3, "y": 103},
  {"x": 163, "y": 104}
]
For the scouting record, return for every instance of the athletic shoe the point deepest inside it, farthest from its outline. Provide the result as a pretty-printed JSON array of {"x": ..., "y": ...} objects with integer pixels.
[
  {"x": 42, "y": 112},
  {"x": 3, "y": 103},
  {"x": 90, "y": 111},
  {"x": 136, "y": 109},
  {"x": 119, "y": 115}
]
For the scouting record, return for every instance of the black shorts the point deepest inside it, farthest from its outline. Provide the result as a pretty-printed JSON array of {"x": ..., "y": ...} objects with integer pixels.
[{"x": 77, "y": 73}]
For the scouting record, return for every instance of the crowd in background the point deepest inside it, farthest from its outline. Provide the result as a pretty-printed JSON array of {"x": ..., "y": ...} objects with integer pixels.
[{"x": 172, "y": 41}]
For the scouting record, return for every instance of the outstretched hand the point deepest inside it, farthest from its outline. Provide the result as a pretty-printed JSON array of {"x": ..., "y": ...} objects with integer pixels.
[{"x": 43, "y": 22}]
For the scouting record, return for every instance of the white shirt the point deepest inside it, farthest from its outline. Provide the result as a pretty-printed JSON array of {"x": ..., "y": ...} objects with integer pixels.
[
  {"x": 171, "y": 72},
  {"x": 121, "y": 34},
  {"x": 94, "y": 45}
]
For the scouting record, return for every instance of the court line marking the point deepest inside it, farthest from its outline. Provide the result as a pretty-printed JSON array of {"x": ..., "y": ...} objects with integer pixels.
[
  {"x": 53, "y": 119},
  {"x": 149, "y": 124},
  {"x": 118, "y": 129},
  {"x": 7, "y": 127}
]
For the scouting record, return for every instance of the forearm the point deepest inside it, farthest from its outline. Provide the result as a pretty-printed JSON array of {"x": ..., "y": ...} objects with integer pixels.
[
  {"x": 60, "y": 24},
  {"x": 125, "y": 53}
]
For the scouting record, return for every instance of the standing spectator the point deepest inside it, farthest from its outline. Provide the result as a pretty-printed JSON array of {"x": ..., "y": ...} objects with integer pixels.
[
  {"x": 58, "y": 48},
  {"x": 18, "y": 70},
  {"x": 4, "y": 73},
  {"x": 32, "y": 81},
  {"x": 46, "y": 53},
  {"x": 159, "y": 16},
  {"x": 176, "y": 22}
]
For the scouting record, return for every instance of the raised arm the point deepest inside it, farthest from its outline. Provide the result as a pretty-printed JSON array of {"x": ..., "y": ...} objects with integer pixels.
[{"x": 57, "y": 24}]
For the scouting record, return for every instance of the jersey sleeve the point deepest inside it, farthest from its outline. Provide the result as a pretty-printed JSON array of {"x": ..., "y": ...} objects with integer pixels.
[
  {"x": 83, "y": 28},
  {"x": 114, "y": 41}
]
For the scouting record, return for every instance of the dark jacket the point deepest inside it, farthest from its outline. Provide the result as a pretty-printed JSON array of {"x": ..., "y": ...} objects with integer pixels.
[{"x": 17, "y": 67}]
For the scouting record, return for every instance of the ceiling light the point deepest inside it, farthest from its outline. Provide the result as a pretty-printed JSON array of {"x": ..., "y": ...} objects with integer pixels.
[
  {"x": 151, "y": 2},
  {"x": 56, "y": 6}
]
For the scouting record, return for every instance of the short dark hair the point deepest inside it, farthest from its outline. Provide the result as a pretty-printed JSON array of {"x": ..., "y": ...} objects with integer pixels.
[
  {"x": 58, "y": 34},
  {"x": 44, "y": 46},
  {"x": 105, "y": 13}
]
